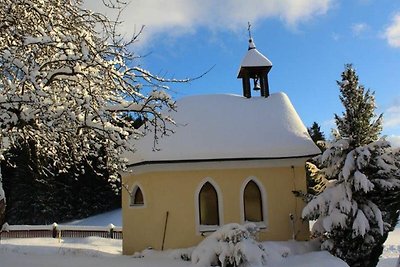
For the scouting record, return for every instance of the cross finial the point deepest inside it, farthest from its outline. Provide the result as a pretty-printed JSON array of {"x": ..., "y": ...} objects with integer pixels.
[
  {"x": 249, "y": 29},
  {"x": 251, "y": 43}
]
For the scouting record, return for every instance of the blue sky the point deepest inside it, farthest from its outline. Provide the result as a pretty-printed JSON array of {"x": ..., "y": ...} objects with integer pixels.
[{"x": 308, "y": 42}]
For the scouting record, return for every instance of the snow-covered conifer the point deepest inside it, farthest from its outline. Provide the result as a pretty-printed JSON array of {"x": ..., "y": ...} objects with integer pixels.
[
  {"x": 362, "y": 179},
  {"x": 316, "y": 134},
  {"x": 357, "y": 123},
  {"x": 315, "y": 182}
]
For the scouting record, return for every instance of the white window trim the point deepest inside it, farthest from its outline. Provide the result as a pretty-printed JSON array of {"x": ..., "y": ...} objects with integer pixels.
[
  {"x": 201, "y": 229},
  {"x": 132, "y": 192},
  {"x": 264, "y": 223}
]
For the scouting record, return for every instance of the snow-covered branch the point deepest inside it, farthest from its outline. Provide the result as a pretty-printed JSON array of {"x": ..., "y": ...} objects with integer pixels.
[{"x": 69, "y": 83}]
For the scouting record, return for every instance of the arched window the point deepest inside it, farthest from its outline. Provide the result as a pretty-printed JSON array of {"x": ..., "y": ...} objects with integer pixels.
[
  {"x": 208, "y": 205},
  {"x": 252, "y": 200},
  {"x": 137, "y": 198}
]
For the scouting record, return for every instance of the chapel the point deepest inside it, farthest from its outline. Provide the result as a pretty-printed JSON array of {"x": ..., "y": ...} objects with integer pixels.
[{"x": 231, "y": 158}]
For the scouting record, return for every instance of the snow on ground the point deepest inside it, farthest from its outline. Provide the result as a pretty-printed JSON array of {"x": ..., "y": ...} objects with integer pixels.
[
  {"x": 101, "y": 252},
  {"x": 104, "y": 219},
  {"x": 391, "y": 252},
  {"x": 299, "y": 254},
  {"x": 88, "y": 252}
]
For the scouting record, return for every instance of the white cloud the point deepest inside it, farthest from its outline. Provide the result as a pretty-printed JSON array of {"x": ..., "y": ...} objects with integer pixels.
[
  {"x": 177, "y": 17},
  {"x": 394, "y": 140},
  {"x": 392, "y": 117},
  {"x": 359, "y": 28},
  {"x": 392, "y": 32}
]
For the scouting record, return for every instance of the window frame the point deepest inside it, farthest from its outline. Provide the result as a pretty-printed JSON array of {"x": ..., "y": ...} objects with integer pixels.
[
  {"x": 132, "y": 194},
  {"x": 264, "y": 204},
  {"x": 202, "y": 228}
]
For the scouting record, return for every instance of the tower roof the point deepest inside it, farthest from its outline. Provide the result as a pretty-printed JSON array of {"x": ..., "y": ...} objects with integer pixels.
[{"x": 254, "y": 58}]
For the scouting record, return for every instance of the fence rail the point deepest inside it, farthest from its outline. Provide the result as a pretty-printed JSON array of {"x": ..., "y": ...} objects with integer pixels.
[
  {"x": 60, "y": 231},
  {"x": 26, "y": 234}
]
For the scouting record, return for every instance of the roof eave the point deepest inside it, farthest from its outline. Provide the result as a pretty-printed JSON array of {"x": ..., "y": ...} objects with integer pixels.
[
  {"x": 245, "y": 70},
  {"x": 151, "y": 162}
]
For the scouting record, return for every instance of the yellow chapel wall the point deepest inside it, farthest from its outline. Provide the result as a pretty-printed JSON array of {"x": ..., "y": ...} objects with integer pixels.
[{"x": 175, "y": 192}]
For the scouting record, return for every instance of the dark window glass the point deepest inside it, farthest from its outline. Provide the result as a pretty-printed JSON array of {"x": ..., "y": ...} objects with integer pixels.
[
  {"x": 137, "y": 197},
  {"x": 208, "y": 205},
  {"x": 252, "y": 203}
]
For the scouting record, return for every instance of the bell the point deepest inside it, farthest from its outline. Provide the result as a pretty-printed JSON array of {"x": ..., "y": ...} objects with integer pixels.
[{"x": 257, "y": 86}]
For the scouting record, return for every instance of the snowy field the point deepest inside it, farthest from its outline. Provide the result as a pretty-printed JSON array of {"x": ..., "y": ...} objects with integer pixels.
[
  {"x": 100, "y": 252},
  {"x": 391, "y": 252}
]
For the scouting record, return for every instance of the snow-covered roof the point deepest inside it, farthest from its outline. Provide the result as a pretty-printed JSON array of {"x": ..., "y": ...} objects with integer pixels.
[
  {"x": 223, "y": 127},
  {"x": 254, "y": 58}
]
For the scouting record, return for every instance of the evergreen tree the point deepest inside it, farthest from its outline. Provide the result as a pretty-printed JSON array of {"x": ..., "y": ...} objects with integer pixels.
[
  {"x": 38, "y": 196},
  {"x": 360, "y": 203},
  {"x": 314, "y": 182},
  {"x": 316, "y": 134},
  {"x": 357, "y": 123}
]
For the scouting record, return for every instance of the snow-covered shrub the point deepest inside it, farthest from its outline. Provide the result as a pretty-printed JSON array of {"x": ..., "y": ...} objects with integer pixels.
[{"x": 231, "y": 245}]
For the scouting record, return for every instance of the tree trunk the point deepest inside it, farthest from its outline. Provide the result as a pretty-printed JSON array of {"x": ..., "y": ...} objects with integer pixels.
[{"x": 2, "y": 202}]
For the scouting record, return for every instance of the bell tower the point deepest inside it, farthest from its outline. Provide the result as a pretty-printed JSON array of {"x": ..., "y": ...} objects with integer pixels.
[{"x": 254, "y": 66}]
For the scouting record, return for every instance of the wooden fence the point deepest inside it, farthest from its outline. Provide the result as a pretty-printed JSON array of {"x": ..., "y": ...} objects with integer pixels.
[{"x": 60, "y": 231}]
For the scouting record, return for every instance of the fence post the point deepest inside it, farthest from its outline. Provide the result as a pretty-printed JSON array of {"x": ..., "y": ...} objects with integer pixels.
[
  {"x": 55, "y": 230},
  {"x": 111, "y": 231},
  {"x": 4, "y": 228}
]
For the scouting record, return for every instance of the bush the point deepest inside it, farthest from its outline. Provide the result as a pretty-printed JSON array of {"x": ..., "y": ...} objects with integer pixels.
[{"x": 231, "y": 245}]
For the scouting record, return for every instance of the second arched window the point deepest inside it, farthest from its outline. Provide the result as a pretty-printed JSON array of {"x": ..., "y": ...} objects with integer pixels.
[{"x": 253, "y": 209}]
